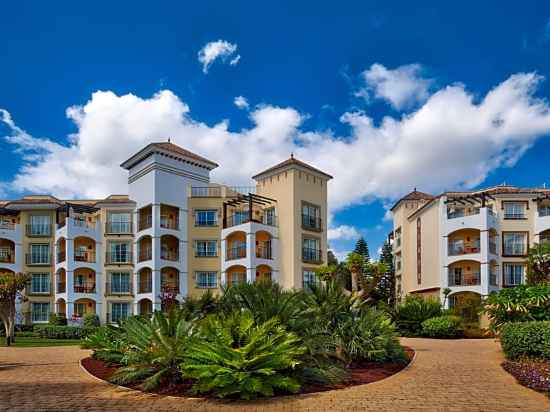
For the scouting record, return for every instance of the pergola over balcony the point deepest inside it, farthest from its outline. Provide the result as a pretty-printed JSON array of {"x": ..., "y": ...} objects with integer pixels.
[
  {"x": 458, "y": 206},
  {"x": 249, "y": 208},
  {"x": 80, "y": 213}
]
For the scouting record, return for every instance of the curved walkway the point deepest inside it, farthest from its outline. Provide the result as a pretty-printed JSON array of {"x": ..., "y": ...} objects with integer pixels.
[{"x": 461, "y": 375}]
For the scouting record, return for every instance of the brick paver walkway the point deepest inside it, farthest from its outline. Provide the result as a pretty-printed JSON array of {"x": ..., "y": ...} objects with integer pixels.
[{"x": 461, "y": 375}]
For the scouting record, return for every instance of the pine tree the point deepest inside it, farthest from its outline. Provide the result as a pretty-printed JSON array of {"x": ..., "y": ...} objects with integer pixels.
[
  {"x": 362, "y": 248},
  {"x": 385, "y": 290}
]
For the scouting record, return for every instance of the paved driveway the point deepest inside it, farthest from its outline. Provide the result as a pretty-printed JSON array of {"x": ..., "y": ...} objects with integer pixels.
[{"x": 461, "y": 375}]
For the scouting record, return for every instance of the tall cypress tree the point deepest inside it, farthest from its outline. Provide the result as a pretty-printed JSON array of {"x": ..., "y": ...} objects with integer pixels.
[{"x": 362, "y": 248}]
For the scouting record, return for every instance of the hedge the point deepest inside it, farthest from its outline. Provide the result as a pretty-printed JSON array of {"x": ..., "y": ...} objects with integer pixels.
[
  {"x": 526, "y": 339},
  {"x": 62, "y": 332},
  {"x": 446, "y": 326}
]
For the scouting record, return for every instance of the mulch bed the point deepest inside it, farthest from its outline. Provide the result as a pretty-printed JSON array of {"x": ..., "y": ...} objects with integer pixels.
[
  {"x": 534, "y": 374},
  {"x": 361, "y": 374}
]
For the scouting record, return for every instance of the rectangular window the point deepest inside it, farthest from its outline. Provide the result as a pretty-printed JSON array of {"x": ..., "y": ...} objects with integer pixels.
[
  {"x": 311, "y": 216},
  {"x": 40, "y": 312},
  {"x": 544, "y": 211},
  {"x": 514, "y": 243},
  {"x": 206, "y": 280},
  {"x": 40, "y": 254},
  {"x": 120, "y": 282},
  {"x": 513, "y": 274},
  {"x": 311, "y": 250},
  {"x": 206, "y": 217},
  {"x": 309, "y": 278},
  {"x": 120, "y": 222},
  {"x": 269, "y": 216},
  {"x": 40, "y": 225},
  {"x": 79, "y": 309},
  {"x": 514, "y": 210},
  {"x": 120, "y": 252},
  {"x": 119, "y": 311},
  {"x": 206, "y": 248},
  {"x": 40, "y": 283}
]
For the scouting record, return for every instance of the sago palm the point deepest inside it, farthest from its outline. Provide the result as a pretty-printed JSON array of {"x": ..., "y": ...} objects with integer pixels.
[{"x": 235, "y": 356}]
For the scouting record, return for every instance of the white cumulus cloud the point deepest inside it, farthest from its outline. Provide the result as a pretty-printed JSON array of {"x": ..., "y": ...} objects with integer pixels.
[
  {"x": 452, "y": 141},
  {"x": 402, "y": 87},
  {"x": 220, "y": 49},
  {"x": 342, "y": 232},
  {"x": 241, "y": 102}
]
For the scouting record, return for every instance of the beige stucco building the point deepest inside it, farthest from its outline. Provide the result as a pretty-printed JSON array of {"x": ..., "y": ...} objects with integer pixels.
[
  {"x": 470, "y": 242},
  {"x": 175, "y": 234}
]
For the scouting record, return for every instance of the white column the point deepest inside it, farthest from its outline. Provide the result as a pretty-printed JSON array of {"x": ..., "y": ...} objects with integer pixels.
[
  {"x": 484, "y": 273},
  {"x": 251, "y": 256},
  {"x": 156, "y": 289}
]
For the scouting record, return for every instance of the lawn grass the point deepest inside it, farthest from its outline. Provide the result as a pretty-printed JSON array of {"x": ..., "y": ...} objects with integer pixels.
[{"x": 29, "y": 342}]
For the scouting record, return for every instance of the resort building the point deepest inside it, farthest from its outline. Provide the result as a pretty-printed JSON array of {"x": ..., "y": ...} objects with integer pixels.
[
  {"x": 175, "y": 234},
  {"x": 469, "y": 242}
]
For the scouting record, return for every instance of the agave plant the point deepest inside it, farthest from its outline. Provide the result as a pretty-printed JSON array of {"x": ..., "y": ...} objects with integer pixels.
[
  {"x": 154, "y": 349},
  {"x": 235, "y": 356}
]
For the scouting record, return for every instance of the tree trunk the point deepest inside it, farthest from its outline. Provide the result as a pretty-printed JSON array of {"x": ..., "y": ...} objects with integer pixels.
[{"x": 354, "y": 281}]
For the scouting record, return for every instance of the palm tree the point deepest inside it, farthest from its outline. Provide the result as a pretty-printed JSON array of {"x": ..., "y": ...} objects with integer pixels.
[{"x": 355, "y": 263}]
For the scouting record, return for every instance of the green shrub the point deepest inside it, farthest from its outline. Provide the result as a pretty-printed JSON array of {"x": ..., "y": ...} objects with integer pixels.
[
  {"x": 57, "y": 320},
  {"x": 473, "y": 331},
  {"x": 235, "y": 357},
  {"x": 61, "y": 332},
  {"x": 526, "y": 339},
  {"x": 442, "y": 327},
  {"x": 414, "y": 310},
  {"x": 25, "y": 334},
  {"x": 108, "y": 343},
  {"x": 90, "y": 320},
  {"x": 518, "y": 304}
]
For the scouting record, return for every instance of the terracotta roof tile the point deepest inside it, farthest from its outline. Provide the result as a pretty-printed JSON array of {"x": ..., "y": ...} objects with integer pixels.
[
  {"x": 291, "y": 161},
  {"x": 414, "y": 195}
]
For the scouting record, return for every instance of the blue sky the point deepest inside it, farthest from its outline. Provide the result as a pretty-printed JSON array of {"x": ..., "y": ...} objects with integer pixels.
[{"x": 462, "y": 89}]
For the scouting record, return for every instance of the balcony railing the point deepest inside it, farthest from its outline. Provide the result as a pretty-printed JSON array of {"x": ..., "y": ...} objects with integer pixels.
[
  {"x": 118, "y": 228},
  {"x": 145, "y": 222},
  {"x": 456, "y": 213},
  {"x": 61, "y": 256},
  {"x": 145, "y": 254},
  {"x": 35, "y": 230},
  {"x": 31, "y": 259},
  {"x": 118, "y": 289},
  {"x": 237, "y": 252},
  {"x": 493, "y": 279},
  {"x": 118, "y": 258},
  {"x": 493, "y": 247},
  {"x": 61, "y": 287},
  {"x": 169, "y": 223},
  {"x": 171, "y": 255},
  {"x": 145, "y": 286},
  {"x": 87, "y": 256},
  {"x": 169, "y": 288},
  {"x": 264, "y": 252},
  {"x": 7, "y": 226},
  {"x": 311, "y": 255},
  {"x": 466, "y": 279},
  {"x": 239, "y": 219},
  {"x": 206, "y": 192},
  {"x": 84, "y": 287},
  {"x": 456, "y": 250},
  {"x": 311, "y": 222},
  {"x": 7, "y": 257}
]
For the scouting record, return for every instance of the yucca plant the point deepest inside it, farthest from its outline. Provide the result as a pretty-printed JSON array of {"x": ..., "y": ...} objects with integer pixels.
[
  {"x": 155, "y": 348},
  {"x": 237, "y": 357}
]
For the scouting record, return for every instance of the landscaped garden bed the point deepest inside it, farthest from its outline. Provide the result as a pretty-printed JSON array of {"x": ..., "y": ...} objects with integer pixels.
[
  {"x": 533, "y": 373},
  {"x": 359, "y": 374},
  {"x": 255, "y": 340}
]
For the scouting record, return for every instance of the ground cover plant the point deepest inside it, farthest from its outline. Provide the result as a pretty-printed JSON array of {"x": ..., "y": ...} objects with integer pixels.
[{"x": 254, "y": 340}]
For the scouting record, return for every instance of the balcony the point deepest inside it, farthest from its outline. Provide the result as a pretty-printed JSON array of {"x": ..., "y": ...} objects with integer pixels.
[
  {"x": 118, "y": 289},
  {"x": 7, "y": 256},
  {"x": 35, "y": 230},
  {"x": 7, "y": 225},
  {"x": 118, "y": 228},
  {"x": 169, "y": 223},
  {"x": 169, "y": 248},
  {"x": 118, "y": 258},
  {"x": 171, "y": 255},
  {"x": 236, "y": 252},
  {"x": 264, "y": 252},
  {"x": 84, "y": 287},
  {"x": 61, "y": 287},
  {"x": 145, "y": 286},
  {"x": 465, "y": 279},
  {"x": 457, "y": 250},
  {"x": 145, "y": 254},
  {"x": 61, "y": 257},
  {"x": 480, "y": 219},
  {"x": 206, "y": 191},
  {"x": 461, "y": 212},
  {"x": 312, "y": 223},
  {"x": 37, "y": 260},
  {"x": 85, "y": 256},
  {"x": 312, "y": 255}
]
